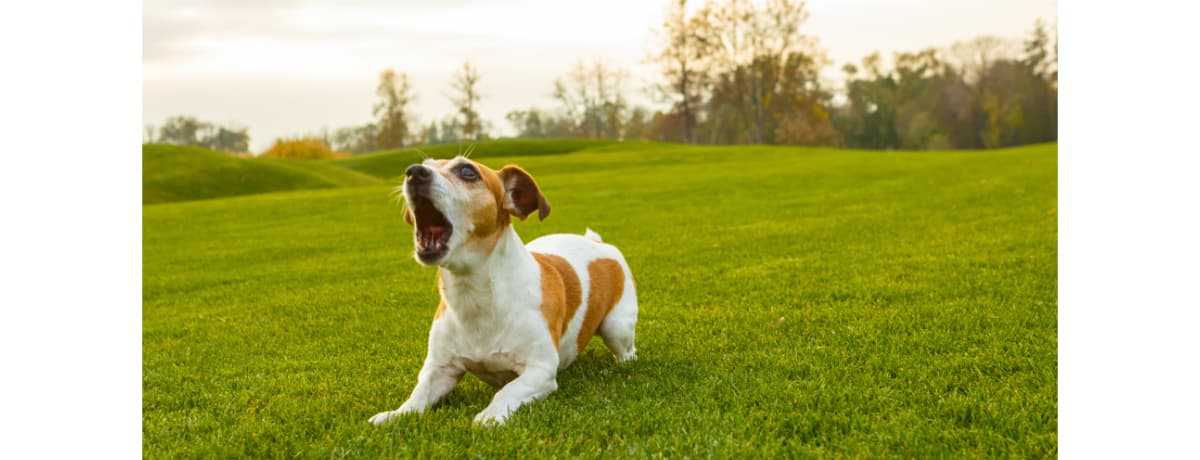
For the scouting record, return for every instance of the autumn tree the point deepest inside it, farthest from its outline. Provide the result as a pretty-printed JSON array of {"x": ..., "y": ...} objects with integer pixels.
[
  {"x": 395, "y": 94},
  {"x": 981, "y": 93},
  {"x": 465, "y": 97},
  {"x": 303, "y": 148},
  {"x": 749, "y": 49},
  {"x": 680, "y": 59}
]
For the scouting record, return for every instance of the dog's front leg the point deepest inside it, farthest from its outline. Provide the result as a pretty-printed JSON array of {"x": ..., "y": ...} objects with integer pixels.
[
  {"x": 433, "y": 383},
  {"x": 533, "y": 384}
]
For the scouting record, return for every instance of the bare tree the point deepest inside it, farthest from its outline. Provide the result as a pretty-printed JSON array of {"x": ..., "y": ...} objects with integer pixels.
[
  {"x": 465, "y": 98},
  {"x": 593, "y": 99},
  {"x": 974, "y": 56},
  {"x": 680, "y": 58},
  {"x": 395, "y": 93},
  {"x": 748, "y": 48}
]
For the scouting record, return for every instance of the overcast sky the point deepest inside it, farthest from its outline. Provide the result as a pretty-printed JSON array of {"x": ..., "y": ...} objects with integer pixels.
[{"x": 287, "y": 67}]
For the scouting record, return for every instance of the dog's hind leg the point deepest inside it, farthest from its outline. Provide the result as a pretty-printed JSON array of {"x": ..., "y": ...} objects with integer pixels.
[{"x": 618, "y": 326}]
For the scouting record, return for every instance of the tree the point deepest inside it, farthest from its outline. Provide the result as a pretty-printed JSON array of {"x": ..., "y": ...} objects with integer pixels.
[
  {"x": 527, "y": 123},
  {"x": 749, "y": 48},
  {"x": 800, "y": 107},
  {"x": 451, "y": 130},
  {"x": 1036, "y": 55},
  {"x": 1044, "y": 66},
  {"x": 355, "y": 139},
  {"x": 182, "y": 130},
  {"x": 593, "y": 101},
  {"x": 868, "y": 118},
  {"x": 187, "y": 130},
  {"x": 974, "y": 56},
  {"x": 680, "y": 59},
  {"x": 228, "y": 139},
  {"x": 635, "y": 126},
  {"x": 429, "y": 134},
  {"x": 465, "y": 98},
  {"x": 663, "y": 127},
  {"x": 305, "y": 148},
  {"x": 395, "y": 93}
]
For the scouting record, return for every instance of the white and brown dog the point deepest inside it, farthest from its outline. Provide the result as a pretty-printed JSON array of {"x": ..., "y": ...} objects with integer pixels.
[{"x": 511, "y": 314}]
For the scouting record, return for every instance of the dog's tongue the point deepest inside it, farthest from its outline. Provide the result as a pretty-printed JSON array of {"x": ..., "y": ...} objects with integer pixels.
[{"x": 436, "y": 229}]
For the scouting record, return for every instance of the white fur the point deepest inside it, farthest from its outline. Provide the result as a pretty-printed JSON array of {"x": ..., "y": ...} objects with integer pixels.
[{"x": 493, "y": 325}]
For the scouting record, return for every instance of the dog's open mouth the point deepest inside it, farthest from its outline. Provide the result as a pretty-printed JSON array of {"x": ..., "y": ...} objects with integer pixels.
[{"x": 433, "y": 230}]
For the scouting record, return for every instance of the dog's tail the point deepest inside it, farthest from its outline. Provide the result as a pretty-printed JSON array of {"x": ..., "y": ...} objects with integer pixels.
[{"x": 589, "y": 234}]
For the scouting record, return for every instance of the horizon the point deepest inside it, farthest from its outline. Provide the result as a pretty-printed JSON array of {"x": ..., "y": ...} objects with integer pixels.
[{"x": 287, "y": 68}]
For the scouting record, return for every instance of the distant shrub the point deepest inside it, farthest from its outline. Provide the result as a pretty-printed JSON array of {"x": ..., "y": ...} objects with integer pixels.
[{"x": 302, "y": 149}]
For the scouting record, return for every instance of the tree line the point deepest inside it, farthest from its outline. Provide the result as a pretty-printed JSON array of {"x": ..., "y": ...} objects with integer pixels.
[
  {"x": 740, "y": 72},
  {"x": 186, "y": 130}
]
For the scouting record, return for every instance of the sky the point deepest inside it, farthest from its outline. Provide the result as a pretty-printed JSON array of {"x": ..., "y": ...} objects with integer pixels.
[{"x": 290, "y": 67}]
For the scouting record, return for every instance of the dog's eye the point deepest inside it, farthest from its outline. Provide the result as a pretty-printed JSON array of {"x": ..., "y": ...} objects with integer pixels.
[{"x": 467, "y": 173}]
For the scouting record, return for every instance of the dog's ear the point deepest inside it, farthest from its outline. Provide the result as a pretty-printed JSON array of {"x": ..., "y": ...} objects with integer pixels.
[
  {"x": 521, "y": 194},
  {"x": 408, "y": 217}
]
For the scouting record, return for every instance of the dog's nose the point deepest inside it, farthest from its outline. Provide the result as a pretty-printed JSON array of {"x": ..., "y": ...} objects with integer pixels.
[{"x": 417, "y": 173}]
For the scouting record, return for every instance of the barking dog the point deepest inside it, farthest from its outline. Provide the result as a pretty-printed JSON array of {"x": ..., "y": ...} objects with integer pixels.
[{"x": 511, "y": 314}]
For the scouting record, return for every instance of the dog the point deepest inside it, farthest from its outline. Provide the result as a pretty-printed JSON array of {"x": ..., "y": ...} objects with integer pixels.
[{"x": 511, "y": 314}]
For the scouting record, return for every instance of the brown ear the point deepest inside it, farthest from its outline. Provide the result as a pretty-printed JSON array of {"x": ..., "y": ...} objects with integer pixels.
[
  {"x": 408, "y": 218},
  {"x": 521, "y": 194}
]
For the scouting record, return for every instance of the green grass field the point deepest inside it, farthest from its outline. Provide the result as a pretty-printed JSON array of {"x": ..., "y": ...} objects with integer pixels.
[{"x": 794, "y": 302}]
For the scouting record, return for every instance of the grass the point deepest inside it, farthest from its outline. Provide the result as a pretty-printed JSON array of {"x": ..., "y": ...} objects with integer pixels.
[
  {"x": 794, "y": 302},
  {"x": 392, "y": 163},
  {"x": 178, "y": 173}
]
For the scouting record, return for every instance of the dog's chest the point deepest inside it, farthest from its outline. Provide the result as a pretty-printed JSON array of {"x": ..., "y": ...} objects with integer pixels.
[{"x": 497, "y": 369}]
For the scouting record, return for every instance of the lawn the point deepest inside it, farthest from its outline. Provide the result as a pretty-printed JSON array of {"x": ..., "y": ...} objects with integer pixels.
[
  {"x": 177, "y": 173},
  {"x": 794, "y": 302}
]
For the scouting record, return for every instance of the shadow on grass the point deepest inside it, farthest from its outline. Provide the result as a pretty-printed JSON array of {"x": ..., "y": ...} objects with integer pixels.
[{"x": 594, "y": 376}]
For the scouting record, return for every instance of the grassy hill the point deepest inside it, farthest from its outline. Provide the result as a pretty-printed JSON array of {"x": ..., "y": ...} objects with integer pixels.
[
  {"x": 392, "y": 163},
  {"x": 794, "y": 302},
  {"x": 179, "y": 173}
]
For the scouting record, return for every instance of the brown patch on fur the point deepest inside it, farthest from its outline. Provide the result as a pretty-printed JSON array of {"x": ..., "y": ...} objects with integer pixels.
[
  {"x": 486, "y": 211},
  {"x": 441, "y": 308},
  {"x": 561, "y": 293},
  {"x": 493, "y": 217},
  {"x": 605, "y": 289}
]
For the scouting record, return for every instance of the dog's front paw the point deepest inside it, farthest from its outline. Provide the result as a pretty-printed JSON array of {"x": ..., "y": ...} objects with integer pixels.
[
  {"x": 631, "y": 355},
  {"x": 491, "y": 417},
  {"x": 384, "y": 417}
]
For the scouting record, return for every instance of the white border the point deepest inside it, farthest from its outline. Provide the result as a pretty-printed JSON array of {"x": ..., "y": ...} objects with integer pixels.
[
  {"x": 70, "y": 331},
  {"x": 1128, "y": 232}
]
